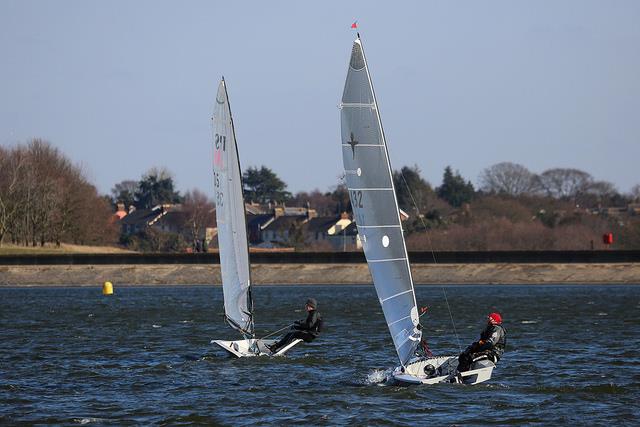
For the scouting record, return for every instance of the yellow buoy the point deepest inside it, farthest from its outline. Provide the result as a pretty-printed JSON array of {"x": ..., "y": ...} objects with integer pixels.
[{"x": 107, "y": 288}]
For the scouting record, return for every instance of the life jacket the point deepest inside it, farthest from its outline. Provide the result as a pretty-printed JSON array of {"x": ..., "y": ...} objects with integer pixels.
[
  {"x": 502, "y": 342},
  {"x": 317, "y": 327},
  {"x": 499, "y": 346}
]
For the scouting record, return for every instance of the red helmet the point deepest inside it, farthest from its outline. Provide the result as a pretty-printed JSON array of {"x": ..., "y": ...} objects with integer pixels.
[{"x": 495, "y": 318}]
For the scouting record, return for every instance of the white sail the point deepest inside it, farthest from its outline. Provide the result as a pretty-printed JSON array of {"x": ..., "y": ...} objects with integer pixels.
[
  {"x": 230, "y": 216},
  {"x": 373, "y": 199}
]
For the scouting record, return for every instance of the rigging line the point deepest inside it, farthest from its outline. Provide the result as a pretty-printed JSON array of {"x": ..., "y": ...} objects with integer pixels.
[
  {"x": 245, "y": 333},
  {"x": 433, "y": 255},
  {"x": 275, "y": 332}
]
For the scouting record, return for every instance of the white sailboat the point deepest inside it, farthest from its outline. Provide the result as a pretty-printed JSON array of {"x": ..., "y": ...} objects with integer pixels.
[
  {"x": 232, "y": 236},
  {"x": 376, "y": 213}
]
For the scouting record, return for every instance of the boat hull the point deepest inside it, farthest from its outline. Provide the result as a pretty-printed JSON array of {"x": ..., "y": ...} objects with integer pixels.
[
  {"x": 253, "y": 347},
  {"x": 434, "y": 370}
]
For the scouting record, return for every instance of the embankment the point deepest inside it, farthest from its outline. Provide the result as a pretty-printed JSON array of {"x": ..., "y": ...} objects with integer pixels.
[{"x": 578, "y": 267}]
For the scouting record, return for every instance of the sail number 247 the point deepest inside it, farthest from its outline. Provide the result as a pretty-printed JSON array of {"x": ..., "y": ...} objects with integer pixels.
[
  {"x": 218, "y": 191},
  {"x": 220, "y": 142}
]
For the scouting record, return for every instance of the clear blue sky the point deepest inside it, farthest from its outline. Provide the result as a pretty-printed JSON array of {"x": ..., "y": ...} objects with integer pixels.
[{"x": 121, "y": 86}]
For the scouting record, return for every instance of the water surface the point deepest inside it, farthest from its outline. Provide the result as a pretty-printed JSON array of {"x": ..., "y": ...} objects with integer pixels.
[{"x": 71, "y": 356}]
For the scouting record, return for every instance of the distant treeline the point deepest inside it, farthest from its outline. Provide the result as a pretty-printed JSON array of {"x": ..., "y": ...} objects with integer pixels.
[
  {"x": 45, "y": 198},
  {"x": 513, "y": 208}
]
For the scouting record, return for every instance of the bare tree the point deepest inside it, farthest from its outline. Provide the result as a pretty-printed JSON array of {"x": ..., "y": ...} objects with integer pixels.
[
  {"x": 483, "y": 237},
  {"x": 635, "y": 193},
  {"x": 45, "y": 198},
  {"x": 508, "y": 178},
  {"x": 49, "y": 171},
  {"x": 323, "y": 203},
  {"x": 565, "y": 183},
  {"x": 602, "y": 189},
  {"x": 198, "y": 211},
  {"x": 11, "y": 168}
]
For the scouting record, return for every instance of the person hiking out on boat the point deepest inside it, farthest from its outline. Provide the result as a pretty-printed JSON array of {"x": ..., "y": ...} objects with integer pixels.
[
  {"x": 491, "y": 345},
  {"x": 307, "y": 329}
]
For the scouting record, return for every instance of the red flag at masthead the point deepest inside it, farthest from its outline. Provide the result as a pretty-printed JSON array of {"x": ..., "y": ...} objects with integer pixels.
[{"x": 355, "y": 24}]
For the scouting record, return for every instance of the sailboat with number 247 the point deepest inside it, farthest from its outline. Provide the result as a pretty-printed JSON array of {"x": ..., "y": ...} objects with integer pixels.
[{"x": 232, "y": 238}]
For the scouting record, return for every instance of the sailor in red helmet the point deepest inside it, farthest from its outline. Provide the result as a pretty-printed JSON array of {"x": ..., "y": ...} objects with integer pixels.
[{"x": 491, "y": 345}]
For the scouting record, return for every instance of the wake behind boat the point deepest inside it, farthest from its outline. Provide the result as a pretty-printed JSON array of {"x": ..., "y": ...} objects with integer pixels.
[
  {"x": 232, "y": 237},
  {"x": 376, "y": 213}
]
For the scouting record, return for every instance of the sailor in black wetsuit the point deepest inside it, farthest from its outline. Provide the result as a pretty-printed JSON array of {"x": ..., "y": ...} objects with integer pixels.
[
  {"x": 491, "y": 344},
  {"x": 307, "y": 329}
]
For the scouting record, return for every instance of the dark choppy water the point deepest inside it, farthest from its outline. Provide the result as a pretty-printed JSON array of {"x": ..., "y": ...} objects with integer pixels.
[{"x": 72, "y": 356}]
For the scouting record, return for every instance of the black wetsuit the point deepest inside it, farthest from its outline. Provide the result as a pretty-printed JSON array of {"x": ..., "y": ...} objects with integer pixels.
[
  {"x": 493, "y": 340},
  {"x": 307, "y": 330}
]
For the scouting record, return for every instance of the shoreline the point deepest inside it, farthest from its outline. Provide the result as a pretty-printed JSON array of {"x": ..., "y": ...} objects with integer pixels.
[
  {"x": 320, "y": 274},
  {"x": 292, "y": 285}
]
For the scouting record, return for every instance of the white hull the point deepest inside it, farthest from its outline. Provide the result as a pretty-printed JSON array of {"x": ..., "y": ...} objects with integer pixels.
[
  {"x": 443, "y": 369},
  {"x": 253, "y": 347}
]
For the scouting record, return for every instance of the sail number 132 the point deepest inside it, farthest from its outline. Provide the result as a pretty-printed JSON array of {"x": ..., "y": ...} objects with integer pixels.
[{"x": 356, "y": 198}]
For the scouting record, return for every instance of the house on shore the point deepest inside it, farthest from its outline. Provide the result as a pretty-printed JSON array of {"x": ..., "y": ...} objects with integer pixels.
[
  {"x": 170, "y": 218},
  {"x": 138, "y": 220},
  {"x": 268, "y": 227},
  {"x": 301, "y": 227}
]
